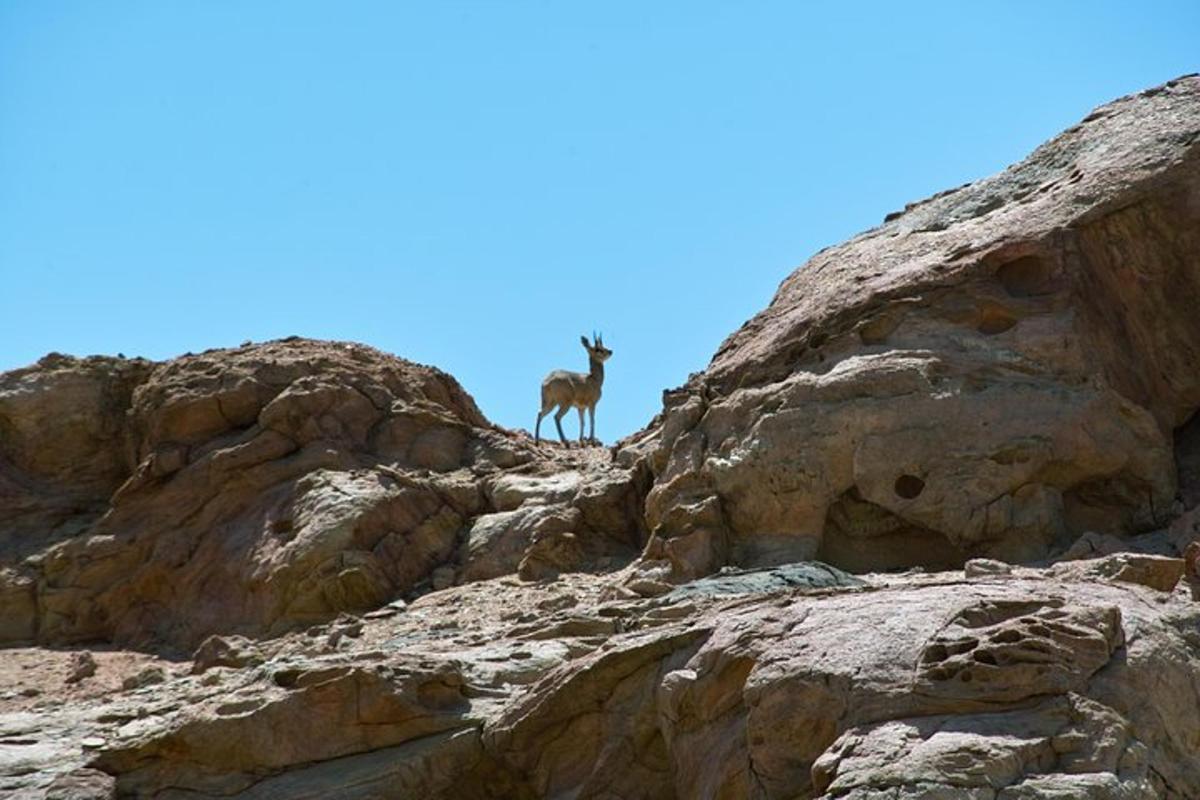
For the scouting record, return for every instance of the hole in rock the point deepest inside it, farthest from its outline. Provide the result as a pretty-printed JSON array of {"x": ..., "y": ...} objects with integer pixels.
[
  {"x": 286, "y": 678},
  {"x": 994, "y": 320},
  {"x": 1028, "y": 276},
  {"x": 1187, "y": 461},
  {"x": 909, "y": 486},
  {"x": 860, "y": 536},
  {"x": 1116, "y": 504},
  {"x": 964, "y": 646},
  {"x": 934, "y": 654},
  {"x": 984, "y": 657},
  {"x": 1007, "y": 636}
]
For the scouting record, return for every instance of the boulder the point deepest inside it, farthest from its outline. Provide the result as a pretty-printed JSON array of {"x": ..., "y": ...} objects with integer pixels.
[
  {"x": 254, "y": 490},
  {"x": 234, "y": 652},
  {"x": 991, "y": 372}
]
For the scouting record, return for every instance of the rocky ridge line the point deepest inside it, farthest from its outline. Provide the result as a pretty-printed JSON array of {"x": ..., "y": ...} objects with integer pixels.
[{"x": 307, "y": 569}]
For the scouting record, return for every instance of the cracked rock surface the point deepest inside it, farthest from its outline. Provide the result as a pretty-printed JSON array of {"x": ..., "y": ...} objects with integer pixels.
[
  {"x": 914, "y": 533},
  {"x": 1031, "y": 684},
  {"x": 991, "y": 372}
]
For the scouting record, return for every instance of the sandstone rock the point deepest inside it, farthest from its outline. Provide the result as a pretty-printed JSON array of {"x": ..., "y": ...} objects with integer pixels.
[
  {"x": 982, "y": 567},
  {"x": 734, "y": 581},
  {"x": 550, "y": 553},
  {"x": 1185, "y": 529},
  {"x": 234, "y": 652},
  {"x": 324, "y": 711},
  {"x": 986, "y": 377},
  {"x": 83, "y": 665},
  {"x": 442, "y": 578},
  {"x": 1157, "y": 572},
  {"x": 989, "y": 373},
  {"x": 510, "y": 491},
  {"x": 259, "y": 489},
  {"x": 146, "y": 677},
  {"x": 82, "y": 784},
  {"x": 1009, "y": 750},
  {"x": 1191, "y": 568},
  {"x": 1092, "y": 545},
  {"x": 497, "y": 542},
  {"x": 18, "y": 606},
  {"x": 754, "y": 684}
]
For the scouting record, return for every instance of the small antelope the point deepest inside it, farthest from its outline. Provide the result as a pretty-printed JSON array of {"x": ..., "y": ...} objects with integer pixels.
[{"x": 566, "y": 389}]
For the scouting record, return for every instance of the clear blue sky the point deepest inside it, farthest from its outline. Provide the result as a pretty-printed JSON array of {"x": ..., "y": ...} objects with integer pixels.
[{"x": 474, "y": 185}]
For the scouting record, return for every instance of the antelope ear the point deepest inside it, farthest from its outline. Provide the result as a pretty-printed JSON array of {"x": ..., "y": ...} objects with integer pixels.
[{"x": 584, "y": 340}]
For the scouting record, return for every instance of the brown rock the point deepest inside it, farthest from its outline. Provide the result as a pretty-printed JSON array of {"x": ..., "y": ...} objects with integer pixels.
[
  {"x": 1191, "y": 568},
  {"x": 263, "y": 488},
  {"x": 982, "y": 567},
  {"x": 82, "y": 784},
  {"x": 549, "y": 554},
  {"x": 234, "y": 652},
  {"x": 497, "y": 542},
  {"x": 147, "y": 677},
  {"x": 83, "y": 665},
  {"x": 991, "y": 372},
  {"x": 1156, "y": 572},
  {"x": 18, "y": 606}
]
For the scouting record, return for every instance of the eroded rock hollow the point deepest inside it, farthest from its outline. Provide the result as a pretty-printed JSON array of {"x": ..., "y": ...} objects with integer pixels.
[{"x": 991, "y": 372}]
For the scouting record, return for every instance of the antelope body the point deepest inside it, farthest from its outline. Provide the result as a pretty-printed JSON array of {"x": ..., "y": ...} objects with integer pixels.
[{"x": 577, "y": 390}]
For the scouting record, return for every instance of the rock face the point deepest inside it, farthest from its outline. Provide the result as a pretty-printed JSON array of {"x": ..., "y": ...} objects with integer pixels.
[
  {"x": 308, "y": 569},
  {"x": 991, "y": 372},
  {"x": 253, "y": 490},
  {"x": 1033, "y": 684}
]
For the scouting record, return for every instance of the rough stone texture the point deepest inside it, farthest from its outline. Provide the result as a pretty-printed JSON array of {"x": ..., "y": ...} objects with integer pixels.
[
  {"x": 1030, "y": 685},
  {"x": 225, "y": 651},
  {"x": 1003, "y": 373},
  {"x": 253, "y": 490},
  {"x": 991, "y": 372}
]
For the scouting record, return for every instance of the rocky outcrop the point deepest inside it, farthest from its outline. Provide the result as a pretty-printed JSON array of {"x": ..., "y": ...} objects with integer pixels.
[
  {"x": 1032, "y": 684},
  {"x": 991, "y": 372},
  {"x": 257, "y": 489},
  {"x": 309, "y": 569}
]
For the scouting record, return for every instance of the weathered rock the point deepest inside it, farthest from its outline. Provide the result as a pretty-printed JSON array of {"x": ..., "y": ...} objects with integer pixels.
[
  {"x": 1094, "y": 545},
  {"x": 18, "y": 605},
  {"x": 774, "y": 684},
  {"x": 549, "y": 554},
  {"x": 149, "y": 676},
  {"x": 1191, "y": 568},
  {"x": 260, "y": 489},
  {"x": 981, "y": 567},
  {"x": 63, "y": 434},
  {"x": 497, "y": 542},
  {"x": 1088, "y": 745},
  {"x": 83, "y": 665},
  {"x": 321, "y": 711},
  {"x": 83, "y": 784},
  {"x": 990, "y": 372},
  {"x": 1156, "y": 572},
  {"x": 234, "y": 652}
]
